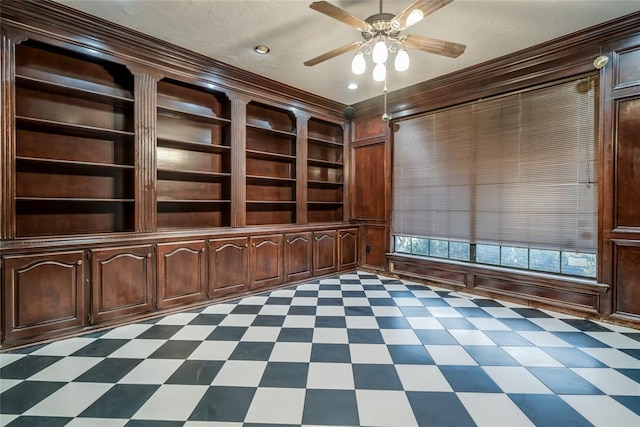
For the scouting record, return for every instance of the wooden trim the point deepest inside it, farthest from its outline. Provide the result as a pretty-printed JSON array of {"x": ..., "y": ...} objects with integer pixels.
[
  {"x": 238, "y": 164},
  {"x": 8, "y": 137},
  {"x": 302, "y": 127}
]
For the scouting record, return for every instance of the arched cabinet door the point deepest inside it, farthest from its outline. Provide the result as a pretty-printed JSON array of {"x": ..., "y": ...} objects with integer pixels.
[
  {"x": 228, "y": 260},
  {"x": 43, "y": 294},
  {"x": 347, "y": 249},
  {"x": 324, "y": 252},
  {"x": 182, "y": 273},
  {"x": 121, "y": 282},
  {"x": 297, "y": 258},
  {"x": 267, "y": 261}
]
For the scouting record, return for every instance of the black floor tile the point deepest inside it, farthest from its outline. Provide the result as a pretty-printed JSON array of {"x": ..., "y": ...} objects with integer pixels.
[
  {"x": 159, "y": 332},
  {"x": 472, "y": 312},
  {"x": 434, "y": 302},
  {"x": 630, "y": 402},
  {"x": 207, "y": 319},
  {"x": 332, "y": 353},
  {"x": 334, "y": 302},
  {"x": 382, "y": 302},
  {"x": 268, "y": 320},
  {"x": 278, "y": 301},
  {"x": 100, "y": 348},
  {"x": 227, "y": 333},
  {"x": 175, "y": 349},
  {"x": 358, "y": 311},
  {"x": 586, "y": 325},
  {"x": 481, "y": 302},
  {"x": 365, "y": 336},
  {"x": 223, "y": 404},
  {"x": 252, "y": 351},
  {"x": 564, "y": 381},
  {"x": 296, "y": 335},
  {"x": 120, "y": 401},
  {"x": 546, "y": 410},
  {"x": 456, "y": 323},
  {"x": 488, "y": 355},
  {"x": 410, "y": 355},
  {"x": 31, "y": 421},
  {"x": 108, "y": 370},
  {"x": 302, "y": 310},
  {"x": 374, "y": 287},
  {"x": 333, "y": 287},
  {"x": 330, "y": 322},
  {"x": 508, "y": 339},
  {"x": 634, "y": 374},
  {"x": 471, "y": 379},
  {"x": 376, "y": 377},
  {"x": 401, "y": 294},
  {"x": 415, "y": 312},
  {"x": 530, "y": 313},
  {"x": 246, "y": 309},
  {"x": 27, "y": 366},
  {"x": 520, "y": 324},
  {"x": 306, "y": 294},
  {"x": 439, "y": 409},
  {"x": 27, "y": 394},
  {"x": 580, "y": 339},
  {"x": 435, "y": 337},
  {"x": 330, "y": 408},
  {"x": 285, "y": 375},
  {"x": 393, "y": 322},
  {"x": 633, "y": 352},
  {"x": 353, "y": 294},
  {"x": 572, "y": 357},
  {"x": 153, "y": 423},
  {"x": 200, "y": 372}
]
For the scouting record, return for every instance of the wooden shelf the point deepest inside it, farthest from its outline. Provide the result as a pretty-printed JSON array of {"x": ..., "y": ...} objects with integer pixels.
[
  {"x": 64, "y": 87},
  {"x": 73, "y": 163},
  {"x": 164, "y": 200},
  {"x": 310, "y": 202},
  {"x": 321, "y": 184},
  {"x": 192, "y": 145},
  {"x": 177, "y": 113},
  {"x": 51, "y": 125},
  {"x": 191, "y": 174},
  {"x": 272, "y": 131},
  {"x": 265, "y": 155},
  {"x": 271, "y": 179},
  {"x": 324, "y": 142},
  {"x": 325, "y": 163},
  {"x": 72, "y": 199},
  {"x": 271, "y": 202}
]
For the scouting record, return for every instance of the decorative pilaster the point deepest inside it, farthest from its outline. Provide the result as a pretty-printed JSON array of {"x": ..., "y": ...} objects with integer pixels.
[
  {"x": 302, "y": 127},
  {"x": 346, "y": 171},
  {"x": 238, "y": 159}
]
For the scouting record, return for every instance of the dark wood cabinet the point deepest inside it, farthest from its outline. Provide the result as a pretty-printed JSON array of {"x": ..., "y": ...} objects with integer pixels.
[
  {"x": 267, "y": 261},
  {"x": 324, "y": 252},
  {"x": 374, "y": 246},
  {"x": 347, "y": 248},
  {"x": 298, "y": 256},
  {"x": 121, "y": 282},
  {"x": 182, "y": 273},
  {"x": 228, "y": 261},
  {"x": 43, "y": 294}
]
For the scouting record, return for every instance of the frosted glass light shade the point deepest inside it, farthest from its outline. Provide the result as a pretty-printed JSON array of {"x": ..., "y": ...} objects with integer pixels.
[
  {"x": 379, "y": 72},
  {"x": 380, "y": 52},
  {"x": 402, "y": 60},
  {"x": 414, "y": 17},
  {"x": 358, "y": 65}
]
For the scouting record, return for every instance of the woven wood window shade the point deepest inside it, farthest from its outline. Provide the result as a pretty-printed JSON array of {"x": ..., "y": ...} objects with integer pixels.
[{"x": 519, "y": 169}]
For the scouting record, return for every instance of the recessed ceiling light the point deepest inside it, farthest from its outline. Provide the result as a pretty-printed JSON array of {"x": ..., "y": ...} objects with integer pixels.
[
  {"x": 352, "y": 86},
  {"x": 262, "y": 49}
]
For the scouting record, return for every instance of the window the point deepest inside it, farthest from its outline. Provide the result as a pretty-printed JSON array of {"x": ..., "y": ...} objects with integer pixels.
[{"x": 509, "y": 181}]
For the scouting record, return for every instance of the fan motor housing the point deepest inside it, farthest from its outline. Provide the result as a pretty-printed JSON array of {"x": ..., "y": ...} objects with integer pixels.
[{"x": 381, "y": 24}]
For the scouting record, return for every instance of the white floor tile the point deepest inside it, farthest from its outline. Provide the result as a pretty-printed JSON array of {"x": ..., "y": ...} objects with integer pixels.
[
  {"x": 137, "y": 349},
  {"x": 6, "y": 384},
  {"x": 97, "y": 422},
  {"x": 460, "y": 302},
  {"x": 254, "y": 300},
  {"x": 488, "y": 324},
  {"x": 330, "y": 336},
  {"x": 381, "y": 408},
  {"x": 355, "y": 302},
  {"x": 66, "y": 369},
  {"x": 274, "y": 310},
  {"x": 494, "y": 410},
  {"x": 261, "y": 334},
  {"x": 329, "y": 310},
  {"x": 553, "y": 325},
  {"x": 291, "y": 352},
  {"x": 219, "y": 309},
  {"x": 603, "y": 411},
  {"x": 70, "y": 400},
  {"x": 329, "y": 294},
  {"x": 283, "y": 293},
  {"x": 193, "y": 333},
  {"x": 400, "y": 336},
  {"x": 450, "y": 355},
  {"x": 516, "y": 379},
  {"x": 177, "y": 319},
  {"x": 425, "y": 294},
  {"x": 471, "y": 337},
  {"x": 422, "y": 378},
  {"x": 612, "y": 357},
  {"x": 502, "y": 313},
  {"x": 615, "y": 339},
  {"x": 361, "y": 322},
  {"x": 63, "y": 347},
  {"x": 444, "y": 312},
  {"x": 8, "y": 358},
  {"x": 171, "y": 402},
  {"x": 299, "y": 322},
  {"x": 276, "y": 406},
  {"x": 385, "y": 311},
  {"x": 609, "y": 381},
  {"x": 213, "y": 350},
  {"x": 408, "y": 302},
  {"x": 377, "y": 294},
  {"x": 238, "y": 320},
  {"x": 305, "y": 301},
  {"x": 211, "y": 424},
  {"x": 424, "y": 323},
  {"x": 240, "y": 373},
  {"x": 370, "y": 353},
  {"x": 543, "y": 339},
  {"x": 151, "y": 371},
  {"x": 308, "y": 287},
  {"x": 331, "y": 376},
  {"x": 5, "y": 419},
  {"x": 617, "y": 328},
  {"x": 532, "y": 356},
  {"x": 127, "y": 331}
]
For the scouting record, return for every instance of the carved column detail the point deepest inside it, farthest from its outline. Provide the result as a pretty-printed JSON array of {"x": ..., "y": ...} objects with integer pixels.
[
  {"x": 145, "y": 119},
  {"x": 302, "y": 126},
  {"x": 238, "y": 159}
]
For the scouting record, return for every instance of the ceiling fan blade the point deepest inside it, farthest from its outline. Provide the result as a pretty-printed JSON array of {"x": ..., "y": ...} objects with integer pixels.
[
  {"x": 331, "y": 54},
  {"x": 425, "y": 6},
  {"x": 339, "y": 14},
  {"x": 439, "y": 47}
]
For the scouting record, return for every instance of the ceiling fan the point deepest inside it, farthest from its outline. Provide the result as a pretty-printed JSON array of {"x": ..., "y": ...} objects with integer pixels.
[{"x": 382, "y": 34}]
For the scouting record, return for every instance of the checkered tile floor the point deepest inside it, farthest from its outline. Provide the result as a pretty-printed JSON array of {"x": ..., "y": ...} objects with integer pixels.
[{"x": 355, "y": 350}]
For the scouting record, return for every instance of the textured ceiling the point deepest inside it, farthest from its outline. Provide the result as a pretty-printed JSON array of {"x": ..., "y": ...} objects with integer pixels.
[{"x": 228, "y": 30}]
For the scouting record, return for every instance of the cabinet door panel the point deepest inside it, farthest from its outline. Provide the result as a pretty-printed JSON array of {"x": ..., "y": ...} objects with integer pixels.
[
  {"x": 266, "y": 261},
  {"x": 324, "y": 252},
  {"x": 347, "y": 249},
  {"x": 121, "y": 282},
  {"x": 298, "y": 259},
  {"x": 43, "y": 293},
  {"x": 182, "y": 273},
  {"x": 228, "y": 266}
]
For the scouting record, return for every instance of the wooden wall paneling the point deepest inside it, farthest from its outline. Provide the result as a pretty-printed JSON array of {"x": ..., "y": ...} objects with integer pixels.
[
  {"x": 369, "y": 127},
  {"x": 121, "y": 282},
  {"x": 627, "y": 164},
  {"x": 347, "y": 249},
  {"x": 43, "y": 294},
  {"x": 182, "y": 273},
  {"x": 302, "y": 120},
  {"x": 368, "y": 196},
  {"x": 145, "y": 122},
  {"x": 346, "y": 173},
  {"x": 228, "y": 266},
  {"x": 238, "y": 159},
  {"x": 266, "y": 261},
  {"x": 627, "y": 278},
  {"x": 374, "y": 246},
  {"x": 325, "y": 251},
  {"x": 298, "y": 259}
]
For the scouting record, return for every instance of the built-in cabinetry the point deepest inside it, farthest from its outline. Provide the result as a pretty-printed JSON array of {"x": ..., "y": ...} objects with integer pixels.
[
  {"x": 228, "y": 262},
  {"x": 182, "y": 273},
  {"x": 298, "y": 257}
]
